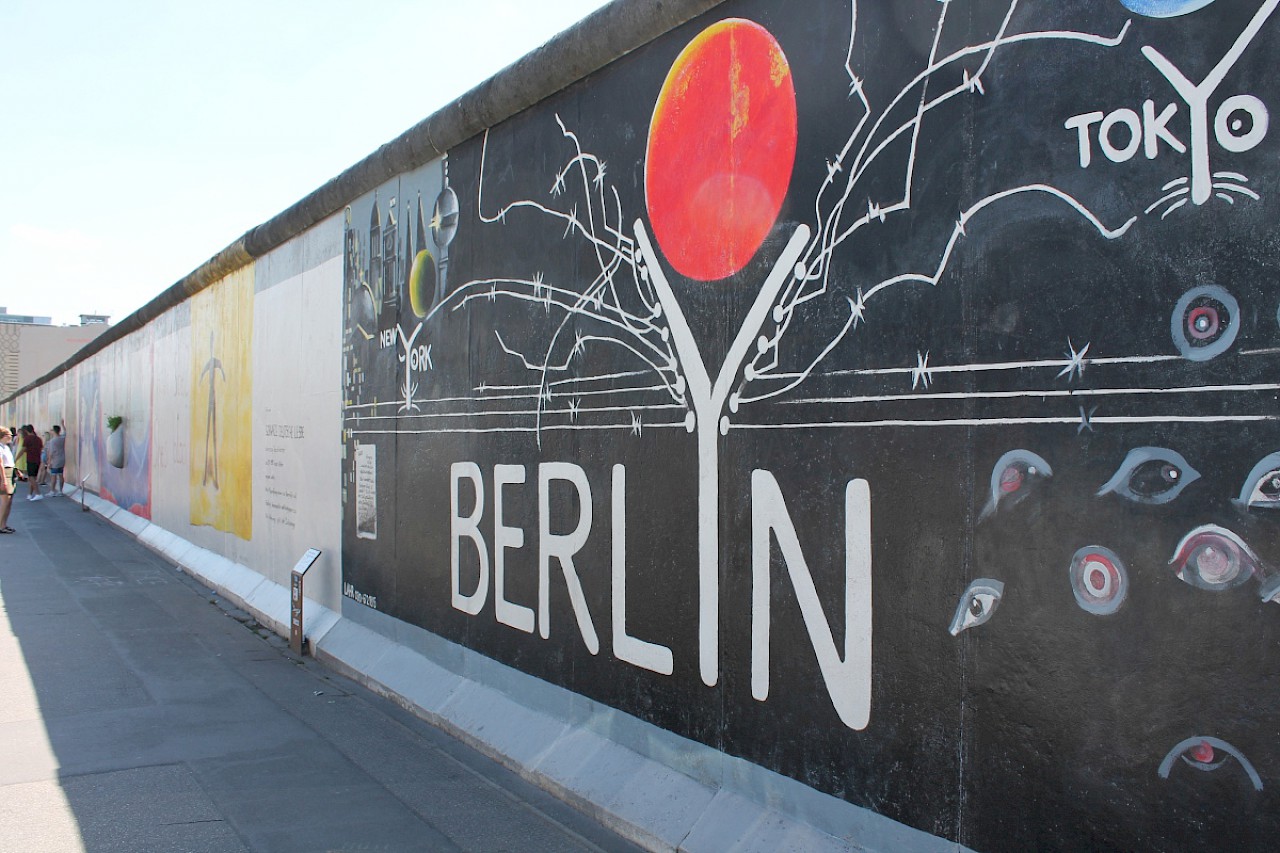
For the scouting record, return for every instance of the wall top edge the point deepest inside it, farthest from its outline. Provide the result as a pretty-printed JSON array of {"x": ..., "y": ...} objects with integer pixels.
[{"x": 606, "y": 35}]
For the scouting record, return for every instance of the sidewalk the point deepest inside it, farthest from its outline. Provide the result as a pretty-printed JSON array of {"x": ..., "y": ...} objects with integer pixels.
[{"x": 139, "y": 711}]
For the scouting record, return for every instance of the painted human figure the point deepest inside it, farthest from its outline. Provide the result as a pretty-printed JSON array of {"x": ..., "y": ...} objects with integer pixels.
[{"x": 212, "y": 366}]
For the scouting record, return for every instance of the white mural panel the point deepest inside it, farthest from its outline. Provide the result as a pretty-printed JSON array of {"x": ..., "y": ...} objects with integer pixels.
[{"x": 296, "y": 417}]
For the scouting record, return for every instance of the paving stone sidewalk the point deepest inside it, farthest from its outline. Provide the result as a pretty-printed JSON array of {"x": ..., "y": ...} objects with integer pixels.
[{"x": 139, "y": 711}]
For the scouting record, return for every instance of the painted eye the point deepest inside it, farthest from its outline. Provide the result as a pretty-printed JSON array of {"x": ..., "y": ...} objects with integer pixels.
[
  {"x": 1208, "y": 754},
  {"x": 1262, "y": 486},
  {"x": 1214, "y": 558},
  {"x": 1012, "y": 477},
  {"x": 1151, "y": 475},
  {"x": 1270, "y": 590},
  {"x": 977, "y": 605},
  {"x": 1205, "y": 322},
  {"x": 1099, "y": 580}
]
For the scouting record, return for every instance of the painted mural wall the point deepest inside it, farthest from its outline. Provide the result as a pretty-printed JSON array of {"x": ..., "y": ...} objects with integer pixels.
[
  {"x": 883, "y": 392},
  {"x": 221, "y": 463},
  {"x": 122, "y": 384},
  {"x": 297, "y": 405},
  {"x": 248, "y": 425},
  {"x": 171, "y": 424},
  {"x": 231, "y": 408}
]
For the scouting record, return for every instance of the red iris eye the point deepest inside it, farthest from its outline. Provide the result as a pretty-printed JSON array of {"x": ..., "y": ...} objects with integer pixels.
[
  {"x": 1011, "y": 480},
  {"x": 1214, "y": 558},
  {"x": 1014, "y": 478},
  {"x": 1203, "y": 322},
  {"x": 1099, "y": 580}
]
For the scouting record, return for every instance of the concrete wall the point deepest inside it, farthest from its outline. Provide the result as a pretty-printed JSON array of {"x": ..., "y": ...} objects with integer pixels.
[
  {"x": 230, "y": 403},
  {"x": 858, "y": 418}
]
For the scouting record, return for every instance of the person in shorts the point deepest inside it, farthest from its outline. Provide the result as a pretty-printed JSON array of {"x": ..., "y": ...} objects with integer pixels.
[
  {"x": 19, "y": 456},
  {"x": 15, "y": 450},
  {"x": 42, "y": 478},
  {"x": 6, "y": 482},
  {"x": 56, "y": 452},
  {"x": 32, "y": 447}
]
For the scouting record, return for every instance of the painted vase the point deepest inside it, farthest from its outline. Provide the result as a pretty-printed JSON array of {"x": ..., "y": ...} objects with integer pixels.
[{"x": 115, "y": 447}]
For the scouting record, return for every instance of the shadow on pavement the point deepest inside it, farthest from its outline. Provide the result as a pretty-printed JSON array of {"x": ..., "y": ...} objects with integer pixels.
[{"x": 143, "y": 712}]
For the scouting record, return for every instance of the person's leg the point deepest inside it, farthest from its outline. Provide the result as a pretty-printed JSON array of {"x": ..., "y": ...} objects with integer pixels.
[
  {"x": 33, "y": 486},
  {"x": 6, "y": 503}
]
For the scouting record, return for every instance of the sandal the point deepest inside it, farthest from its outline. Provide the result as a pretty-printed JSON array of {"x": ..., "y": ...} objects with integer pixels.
[{"x": 7, "y": 530}]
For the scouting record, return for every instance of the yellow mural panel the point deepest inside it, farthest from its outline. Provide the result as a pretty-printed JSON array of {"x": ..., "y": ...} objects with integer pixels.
[{"x": 221, "y": 457}]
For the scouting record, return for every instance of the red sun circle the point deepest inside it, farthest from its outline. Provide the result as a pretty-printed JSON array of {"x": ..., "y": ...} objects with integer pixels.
[{"x": 722, "y": 143}]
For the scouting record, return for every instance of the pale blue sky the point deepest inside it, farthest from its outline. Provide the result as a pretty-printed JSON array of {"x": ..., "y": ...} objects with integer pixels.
[{"x": 137, "y": 139}]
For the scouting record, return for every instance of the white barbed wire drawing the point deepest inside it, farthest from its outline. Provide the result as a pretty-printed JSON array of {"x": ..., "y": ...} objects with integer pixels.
[
  {"x": 617, "y": 309},
  {"x": 871, "y": 136},
  {"x": 628, "y": 306},
  {"x": 619, "y": 301}
]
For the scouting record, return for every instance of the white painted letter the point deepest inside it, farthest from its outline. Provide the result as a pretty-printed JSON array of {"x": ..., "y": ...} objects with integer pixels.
[
  {"x": 1080, "y": 124},
  {"x": 1228, "y": 136},
  {"x": 1130, "y": 120},
  {"x": 848, "y": 681},
  {"x": 708, "y": 399},
  {"x": 469, "y": 527},
  {"x": 650, "y": 656},
  {"x": 563, "y": 547},
  {"x": 504, "y": 537},
  {"x": 1156, "y": 127},
  {"x": 1197, "y": 97}
]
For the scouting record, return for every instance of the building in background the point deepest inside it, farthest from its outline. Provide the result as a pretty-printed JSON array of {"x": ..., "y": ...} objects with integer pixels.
[
  {"x": 24, "y": 319},
  {"x": 32, "y": 346}
]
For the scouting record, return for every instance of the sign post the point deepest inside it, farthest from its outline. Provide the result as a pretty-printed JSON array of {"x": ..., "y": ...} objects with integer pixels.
[{"x": 297, "y": 641}]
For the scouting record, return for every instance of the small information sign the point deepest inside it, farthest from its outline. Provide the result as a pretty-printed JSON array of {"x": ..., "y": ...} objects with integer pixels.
[{"x": 296, "y": 640}]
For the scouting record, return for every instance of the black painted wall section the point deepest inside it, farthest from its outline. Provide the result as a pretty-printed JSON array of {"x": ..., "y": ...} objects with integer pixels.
[{"x": 1015, "y": 413}]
